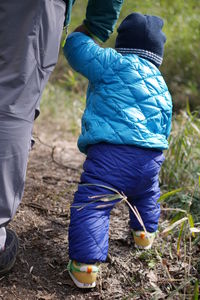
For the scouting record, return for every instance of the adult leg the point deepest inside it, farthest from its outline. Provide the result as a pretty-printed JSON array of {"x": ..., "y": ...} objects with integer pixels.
[{"x": 30, "y": 33}]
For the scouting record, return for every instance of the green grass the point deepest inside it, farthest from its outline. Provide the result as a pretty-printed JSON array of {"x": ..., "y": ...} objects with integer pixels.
[
  {"x": 181, "y": 169},
  {"x": 62, "y": 108}
]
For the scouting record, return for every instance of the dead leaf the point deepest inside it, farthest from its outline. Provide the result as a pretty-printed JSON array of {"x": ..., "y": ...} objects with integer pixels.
[
  {"x": 40, "y": 296},
  {"x": 152, "y": 276}
]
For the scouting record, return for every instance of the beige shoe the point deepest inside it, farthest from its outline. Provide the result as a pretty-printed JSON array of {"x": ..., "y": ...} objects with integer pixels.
[
  {"x": 143, "y": 240},
  {"x": 83, "y": 275}
]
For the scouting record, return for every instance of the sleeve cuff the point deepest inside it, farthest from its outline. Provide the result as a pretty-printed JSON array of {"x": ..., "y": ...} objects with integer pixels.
[{"x": 98, "y": 38}]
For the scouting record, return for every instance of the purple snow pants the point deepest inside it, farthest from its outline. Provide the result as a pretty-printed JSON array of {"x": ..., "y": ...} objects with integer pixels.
[{"x": 131, "y": 170}]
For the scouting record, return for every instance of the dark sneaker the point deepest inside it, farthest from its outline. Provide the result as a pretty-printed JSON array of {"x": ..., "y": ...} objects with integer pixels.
[{"x": 8, "y": 256}]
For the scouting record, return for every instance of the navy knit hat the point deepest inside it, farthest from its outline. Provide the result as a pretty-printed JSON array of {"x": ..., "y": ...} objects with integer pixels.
[{"x": 142, "y": 35}]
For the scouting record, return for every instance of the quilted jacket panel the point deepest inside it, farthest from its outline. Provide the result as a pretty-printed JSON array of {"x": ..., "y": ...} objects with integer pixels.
[{"x": 128, "y": 101}]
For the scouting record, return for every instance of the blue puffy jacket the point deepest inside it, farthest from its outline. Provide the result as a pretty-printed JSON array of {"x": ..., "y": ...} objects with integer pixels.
[{"x": 128, "y": 101}]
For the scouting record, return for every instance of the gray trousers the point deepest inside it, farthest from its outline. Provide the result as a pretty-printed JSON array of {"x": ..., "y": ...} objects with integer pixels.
[{"x": 30, "y": 33}]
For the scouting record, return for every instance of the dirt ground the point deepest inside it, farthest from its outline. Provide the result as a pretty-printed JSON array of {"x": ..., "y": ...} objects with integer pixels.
[{"x": 42, "y": 222}]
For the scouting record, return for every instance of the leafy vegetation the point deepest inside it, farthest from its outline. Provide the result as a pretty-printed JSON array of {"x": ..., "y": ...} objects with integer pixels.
[{"x": 180, "y": 178}]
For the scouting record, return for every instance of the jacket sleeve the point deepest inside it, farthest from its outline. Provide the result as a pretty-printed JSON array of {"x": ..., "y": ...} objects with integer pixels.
[
  {"x": 69, "y": 4},
  {"x": 86, "y": 57},
  {"x": 101, "y": 17}
]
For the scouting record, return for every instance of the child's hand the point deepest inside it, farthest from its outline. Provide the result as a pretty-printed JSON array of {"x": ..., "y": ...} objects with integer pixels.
[{"x": 83, "y": 29}]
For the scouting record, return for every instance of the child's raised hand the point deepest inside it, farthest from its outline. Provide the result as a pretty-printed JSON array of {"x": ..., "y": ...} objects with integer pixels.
[{"x": 83, "y": 29}]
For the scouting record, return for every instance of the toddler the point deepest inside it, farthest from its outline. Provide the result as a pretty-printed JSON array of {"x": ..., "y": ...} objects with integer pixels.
[{"x": 125, "y": 127}]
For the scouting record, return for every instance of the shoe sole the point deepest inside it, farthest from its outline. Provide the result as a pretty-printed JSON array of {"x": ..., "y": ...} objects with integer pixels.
[
  {"x": 143, "y": 247},
  {"x": 82, "y": 285},
  {"x": 8, "y": 268}
]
